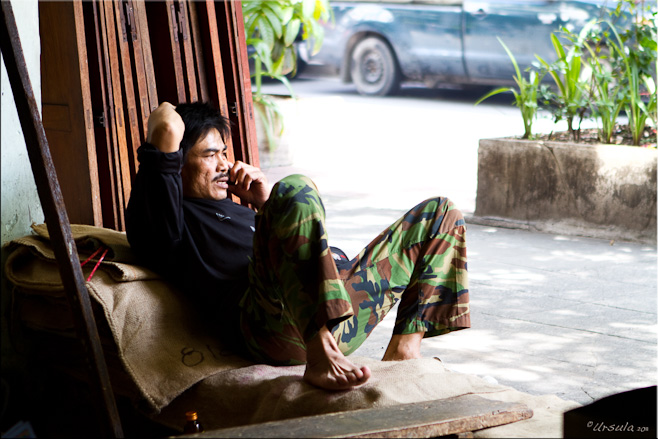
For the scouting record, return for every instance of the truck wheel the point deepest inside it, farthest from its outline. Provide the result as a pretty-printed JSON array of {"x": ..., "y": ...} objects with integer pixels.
[{"x": 374, "y": 68}]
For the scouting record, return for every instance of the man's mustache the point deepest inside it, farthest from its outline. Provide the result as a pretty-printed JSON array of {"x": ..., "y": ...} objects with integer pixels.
[{"x": 223, "y": 175}]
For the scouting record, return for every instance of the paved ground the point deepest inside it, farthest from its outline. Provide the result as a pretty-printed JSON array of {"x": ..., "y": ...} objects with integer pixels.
[{"x": 551, "y": 314}]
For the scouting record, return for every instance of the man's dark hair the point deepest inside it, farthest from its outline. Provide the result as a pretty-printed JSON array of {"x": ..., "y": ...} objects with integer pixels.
[{"x": 199, "y": 119}]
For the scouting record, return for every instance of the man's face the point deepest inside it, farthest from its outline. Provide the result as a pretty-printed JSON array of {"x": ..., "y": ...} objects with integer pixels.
[{"x": 205, "y": 172}]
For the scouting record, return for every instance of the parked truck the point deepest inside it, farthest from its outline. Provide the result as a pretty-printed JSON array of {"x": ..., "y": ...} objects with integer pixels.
[{"x": 378, "y": 45}]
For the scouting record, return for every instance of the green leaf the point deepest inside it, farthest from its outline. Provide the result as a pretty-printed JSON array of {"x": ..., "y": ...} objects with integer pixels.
[
  {"x": 649, "y": 43},
  {"x": 275, "y": 7},
  {"x": 554, "y": 75},
  {"x": 285, "y": 82},
  {"x": 277, "y": 66},
  {"x": 263, "y": 52},
  {"x": 250, "y": 25},
  {"x": 511, "y": 57},
  {"x": 274, "y": 21},
  {"x": 559, "y": 50},
  {"x": 287, "y": 12},
  {"x": 289, "y": 61},
  {"x": 650, "y": 84},
  {"x": 493, "y": 93},
  {"x": 292, "y": 29},
  {"x": 573, "y": 73},
  {"x": 249, "y": 7},
  {"x": 266, "y": 31}
]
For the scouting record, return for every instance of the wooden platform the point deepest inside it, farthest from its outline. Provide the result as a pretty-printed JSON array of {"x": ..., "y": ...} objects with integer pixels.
[{"x": 431, "y": 419}]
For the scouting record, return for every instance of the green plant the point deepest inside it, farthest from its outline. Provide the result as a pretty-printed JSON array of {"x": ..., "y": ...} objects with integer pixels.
[
  {"x": 608, "y": 101},
  {"x": 634, "y": 51},
  {"x": 606, "y": 97},
  {"x": 572, "y": 100},
  {"x": 621, "y": 65},
  {"x": 526, "y": 96},
  {"x": 598, "y": 73},
  {"x": 272, "y": 27}
]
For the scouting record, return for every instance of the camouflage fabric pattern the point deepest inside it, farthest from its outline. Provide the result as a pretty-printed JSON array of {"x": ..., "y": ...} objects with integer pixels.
[
  {"x": 296, "y": 287},
  {"x": 419, "y": 261}
]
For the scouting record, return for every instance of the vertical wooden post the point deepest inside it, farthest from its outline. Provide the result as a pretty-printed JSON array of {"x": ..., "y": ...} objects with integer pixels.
[
  {"x": 174, "y": 31},
  {"x": 100, "y": 87},
  {"x": 144, "y": 39},
  {"x": 141, "y": 78},
  {"x": 132, "y": 127},
  {"x": 237, "y": 78},
  {"x": 117, "y": 106},
  {"x": 57, "y": 220},
  {"x": 198, "y": 51}
]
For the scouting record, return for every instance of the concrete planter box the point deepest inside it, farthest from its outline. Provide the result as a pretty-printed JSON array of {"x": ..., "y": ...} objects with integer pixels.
[{"x": 603, "y": 191}]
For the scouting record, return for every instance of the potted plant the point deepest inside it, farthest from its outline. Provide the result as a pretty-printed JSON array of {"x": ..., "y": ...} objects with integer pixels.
[
  {"x": 601, "y": 179},
  {"x": 274, "y": 30}
]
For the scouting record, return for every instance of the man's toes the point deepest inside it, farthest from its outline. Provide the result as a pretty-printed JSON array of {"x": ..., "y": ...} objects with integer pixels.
[
  {"x": 357, "y": 378},
  {"x": 360, "y": 375},
  {"x": 352, "y": 378},
  {"x": 342, "y": 381}
]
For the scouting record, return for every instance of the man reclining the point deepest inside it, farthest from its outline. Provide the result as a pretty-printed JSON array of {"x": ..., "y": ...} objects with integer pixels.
[{"x": 269, "y": 280}]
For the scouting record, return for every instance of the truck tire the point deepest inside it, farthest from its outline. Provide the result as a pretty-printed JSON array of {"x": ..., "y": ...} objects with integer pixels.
[{"x": 374, "y": 69}]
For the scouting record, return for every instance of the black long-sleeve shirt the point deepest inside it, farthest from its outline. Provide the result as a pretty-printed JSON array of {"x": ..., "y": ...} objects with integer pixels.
[{"x": 203, "y": 246}]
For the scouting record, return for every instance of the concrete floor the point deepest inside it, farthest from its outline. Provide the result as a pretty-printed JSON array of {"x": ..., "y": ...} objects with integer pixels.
[
  {"x": 551, "y": 314},
  {"x": 573, "y": 317}
]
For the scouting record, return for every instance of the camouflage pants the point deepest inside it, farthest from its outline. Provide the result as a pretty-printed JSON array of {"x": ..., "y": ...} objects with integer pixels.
[{"x": 296, "y": 287}]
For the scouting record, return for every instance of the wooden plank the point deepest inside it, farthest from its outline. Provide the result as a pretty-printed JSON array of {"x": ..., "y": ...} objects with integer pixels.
[
  {"x": 169, "y": 79},
  {"x": 212, "y": 53},
  {"x": 138, "y": 61},
  {"x": 109, "y": 115},
  {"x": 87, "y": 115},
  {"x": 122, "y": 165},
  {"x": 242, "y": 84},
  {"x": 246, "y": 108},
  {"x": 175, "y": 50},
  {"x": 430, "y": 419},
  {"x": 98, "y": 67},
  {"x": 226, "y": 55},
  {"x": 145, "y": 39},
  {"x": 197, "y": 45},
  {"x": 185, "y": 39},
  {"x": 57, "y": 221},
  {"x": 132, "y": 128}
]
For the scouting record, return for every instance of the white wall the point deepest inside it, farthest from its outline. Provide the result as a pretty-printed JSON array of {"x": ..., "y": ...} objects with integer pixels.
[{"x": 20, "y": 202}]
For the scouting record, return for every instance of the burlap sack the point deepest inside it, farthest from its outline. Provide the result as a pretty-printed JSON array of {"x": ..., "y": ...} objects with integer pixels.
[
  {"x": 163, "y": 345},
  {"x": 177, "y": 364}
]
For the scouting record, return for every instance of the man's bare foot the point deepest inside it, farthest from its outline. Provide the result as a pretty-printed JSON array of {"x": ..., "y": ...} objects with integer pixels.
[
  {"x": 328, "y": 368},
  {"x": 404, "y": 347}
]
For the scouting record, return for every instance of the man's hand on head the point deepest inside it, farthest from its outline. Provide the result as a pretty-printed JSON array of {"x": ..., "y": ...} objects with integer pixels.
[
  {"x": 249, "y": 183},
  {"x": 165, "y": 128}
]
